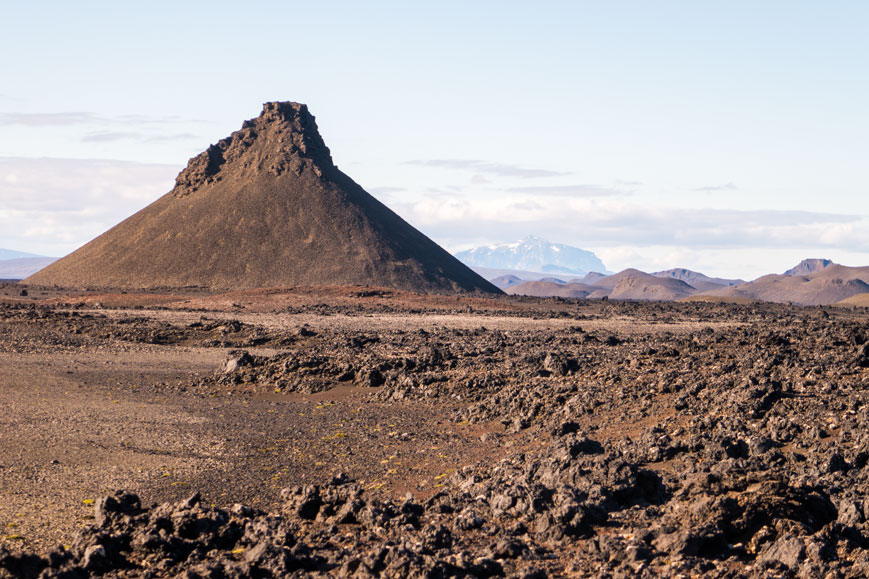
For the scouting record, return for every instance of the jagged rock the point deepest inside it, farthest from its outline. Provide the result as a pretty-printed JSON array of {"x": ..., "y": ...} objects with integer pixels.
[{"x": 237, "y": 360}]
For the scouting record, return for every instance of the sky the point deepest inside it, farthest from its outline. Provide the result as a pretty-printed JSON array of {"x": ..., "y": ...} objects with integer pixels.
[{"x": 730, "y": 138}]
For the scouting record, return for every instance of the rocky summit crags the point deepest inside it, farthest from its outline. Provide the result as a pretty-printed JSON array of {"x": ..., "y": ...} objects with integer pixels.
[
  {"x": 283, "y": 138},
  {"x": 265, "y": 207}
]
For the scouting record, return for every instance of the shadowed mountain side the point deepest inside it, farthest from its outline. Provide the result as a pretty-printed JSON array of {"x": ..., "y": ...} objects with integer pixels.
[
  {"x": 830, "y": 285},
  {"x": 265, "y": 207}
]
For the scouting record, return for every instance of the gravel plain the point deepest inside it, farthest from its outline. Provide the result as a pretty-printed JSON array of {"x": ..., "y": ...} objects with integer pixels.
[{"x": 362, "y": 432}]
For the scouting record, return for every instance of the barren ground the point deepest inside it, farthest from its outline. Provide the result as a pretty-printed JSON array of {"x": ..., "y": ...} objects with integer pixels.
[{"x": 629, "y": 422}]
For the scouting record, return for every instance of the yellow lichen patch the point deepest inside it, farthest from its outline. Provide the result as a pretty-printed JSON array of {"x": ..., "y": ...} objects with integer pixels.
[
  {"x": 445, "y": 474},
  {"x": 88, "y": 502}
]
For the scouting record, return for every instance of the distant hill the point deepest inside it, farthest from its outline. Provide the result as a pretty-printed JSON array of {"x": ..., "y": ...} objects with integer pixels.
[
  {"x": 859, "y": 300},
  {"x": 696, "y": 279},
  {"x": 265, "y": 207},
  {"x": 830, "y": 284},
  {"x": 492, "y": 274},
  {"x": 824, "y": 283},
  {"x": 550, "y": 289},
  {"x": 533, "y": 254},
  {"x": 23, "y": 267},
  {"x": 630, "y": 284},
  {"x": 592, "y": 277},
  {"x": 506, "y": 281}
]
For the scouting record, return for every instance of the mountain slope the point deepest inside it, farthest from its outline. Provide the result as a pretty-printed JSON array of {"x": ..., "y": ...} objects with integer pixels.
[
  {"x": 857, "y": 300},
  {"x": 265, "y": 207},
  {"x": 533, "y": 254}
]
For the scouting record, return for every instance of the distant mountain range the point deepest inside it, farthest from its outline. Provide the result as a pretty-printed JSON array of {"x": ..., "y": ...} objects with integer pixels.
[
  {"x": 533, "y": 254},
  {"x": 20, "y": 264},
  {"x": 12, "y": 254},
  {"x": 825, "y": 285},
  {"x": 547, "y": 270},
  {"x": 811, "y": 282}
]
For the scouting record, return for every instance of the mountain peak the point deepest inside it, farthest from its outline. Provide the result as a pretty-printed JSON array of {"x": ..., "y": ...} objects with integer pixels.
[
  {"x": 283, "y": 138},
  {"x": 265, "y": 207},
  {"x": 809, "y": 266},
  {"x": 533, "y": 254}
]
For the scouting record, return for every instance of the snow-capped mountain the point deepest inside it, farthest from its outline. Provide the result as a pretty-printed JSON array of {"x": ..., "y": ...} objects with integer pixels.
[{"x": 533, "y": 254}]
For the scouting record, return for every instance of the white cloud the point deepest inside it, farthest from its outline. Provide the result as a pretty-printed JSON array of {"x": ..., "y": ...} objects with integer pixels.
[
  {"x": 49, "y": 119},
  {"x": 487, "y": 167},
  {"x": 716, "y": 188},
  {"x": 572, "y": 190},
  {"x": 52, "y": 206},
  {"x": 605, "y": 222},
  {"x": 66, "y": 118}
]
